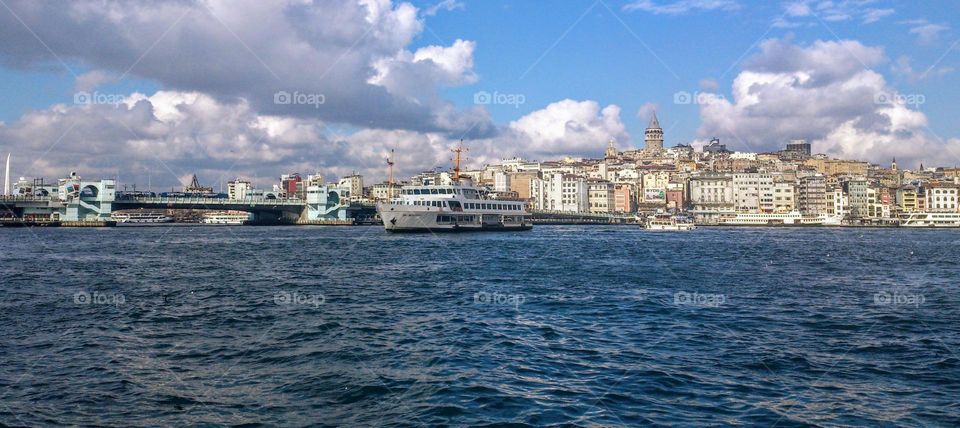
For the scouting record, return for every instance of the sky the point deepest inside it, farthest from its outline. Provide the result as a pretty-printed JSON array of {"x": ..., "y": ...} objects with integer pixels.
[{"x": 154, "y": 92}]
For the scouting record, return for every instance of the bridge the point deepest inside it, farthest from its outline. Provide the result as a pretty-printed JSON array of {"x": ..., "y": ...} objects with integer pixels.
[
  {"x": 264, "y": 210},
  {"x": 94, "y": 208}
]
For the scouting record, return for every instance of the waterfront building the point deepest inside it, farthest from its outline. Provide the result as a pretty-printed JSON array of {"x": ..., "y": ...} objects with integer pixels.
[
  {"x": 857, "y": 191},
  {"x": 711, "y": 196},
  {"x": 385, "y": 191},
  {"x": 560, "y": 192},
  {"x": 291, "y": 186},
  {"x": 238, "y": 189},
  {"x": 801, "y": 147},
  {"x": 316, "y": 180},
  {"x": 837, "y": 203},
  {"x": 600, "y": 196},
  {"x": 675, "y": 197},
  {"x": 714, "y": 147},
  {"x": 830, "y": 167},
  {"x": 520, "y": 183},
  {"x": 501, "y": 181},
  {"x": 812, "y": 195},
  {"x": 784, "y": 198},
  {"x": 656, "y": 180},
  {"x": 351, "y": 187},
  {"x": 753, "y": 192},
  {"x": 941, "y": 196},
  {"x": 623, "y": 198}
]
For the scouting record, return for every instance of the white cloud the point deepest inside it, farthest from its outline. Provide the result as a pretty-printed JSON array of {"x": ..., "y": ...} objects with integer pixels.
[
  {"x": 175, "y": 134},
  {"x": 681, "y": 7},
  {"x": 824, "y": 92},
  {"x": 903, "y": 67},
  {"x": 874, "y": 15},
  {"x": 795, "y": 13},
  {"x": 252, "y": 49},
  {"x": 567, "y": 127},
  {"x": 928, "y": 33},
  {"x": 89, "y": 81},
  {"x": 412, "y": 74},
  {"x": 645, "y": 112},
  {"x": 447, "y": 5}
]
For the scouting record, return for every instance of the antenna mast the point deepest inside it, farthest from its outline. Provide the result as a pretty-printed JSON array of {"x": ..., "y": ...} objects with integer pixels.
[
  {"x": 456, "y": 161},
  {"x": 390, "y": 176}
]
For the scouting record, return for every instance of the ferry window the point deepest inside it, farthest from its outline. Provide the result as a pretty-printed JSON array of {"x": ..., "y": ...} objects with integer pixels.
[
  {"x": 433, "y": 192},
  {"x": 416, "y": 191}
]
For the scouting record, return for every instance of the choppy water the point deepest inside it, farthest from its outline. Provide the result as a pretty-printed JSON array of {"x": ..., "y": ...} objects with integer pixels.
[{"x": 562, "y": 325}]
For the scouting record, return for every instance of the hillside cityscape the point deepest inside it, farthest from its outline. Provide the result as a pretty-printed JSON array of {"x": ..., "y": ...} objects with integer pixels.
[{"x": 712, "y": 184}]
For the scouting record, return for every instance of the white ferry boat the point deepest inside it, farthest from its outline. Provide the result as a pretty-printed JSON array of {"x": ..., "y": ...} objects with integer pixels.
[
  {"x": 226, "y": 217},
  {"x": 141, "y": 217},
  {"x": 669, "y": 222},
  {"x": 792, "y": 218},
  {"x": 927, "y": 219},
  {"x": 458, "y": 207}
]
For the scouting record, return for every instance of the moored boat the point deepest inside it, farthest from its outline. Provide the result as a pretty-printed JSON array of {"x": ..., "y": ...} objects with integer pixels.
[
  {"x": 669, "y": 222},
  {"x": 792, "y": 218},
  {"x": 235, "y": 218},
  {"x": 141, "y": 217},
  {"x": 930, "y": 219}
]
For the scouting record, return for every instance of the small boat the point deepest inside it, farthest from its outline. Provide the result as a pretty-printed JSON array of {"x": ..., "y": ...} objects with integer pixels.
[
  {"x": 226, "y": 217},
  {"x": 669, "y": 222},
  {"x": 930, "y": 219},
  {"x": 141, "y": 217},
  {"x": 792, "y": 218}
]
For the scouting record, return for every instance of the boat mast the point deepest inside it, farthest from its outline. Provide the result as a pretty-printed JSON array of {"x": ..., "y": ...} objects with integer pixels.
[
  {"x": 456, "y": 161},
  {"x": 390, "y": 176}
]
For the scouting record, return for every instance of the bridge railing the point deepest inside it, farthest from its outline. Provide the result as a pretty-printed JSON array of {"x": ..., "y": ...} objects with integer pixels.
[
  {"x": 208, "y": 201},
  {"x": 25, "y": 198}
]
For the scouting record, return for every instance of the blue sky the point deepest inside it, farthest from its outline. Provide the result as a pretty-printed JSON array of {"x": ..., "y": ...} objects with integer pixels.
[
  {"x": 634, "y": 55},
  {"x": 605, "y": 56}
]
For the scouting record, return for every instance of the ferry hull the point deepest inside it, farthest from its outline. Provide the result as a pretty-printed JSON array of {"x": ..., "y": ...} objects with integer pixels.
[{"x": 405, "y": 221}]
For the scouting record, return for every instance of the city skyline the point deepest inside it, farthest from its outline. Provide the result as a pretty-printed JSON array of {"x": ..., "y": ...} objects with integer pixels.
[{"x": 860, "y": 80}]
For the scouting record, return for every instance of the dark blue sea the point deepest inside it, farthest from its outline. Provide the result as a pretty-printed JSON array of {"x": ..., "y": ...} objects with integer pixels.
[{"x": 562, "y": 325}]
